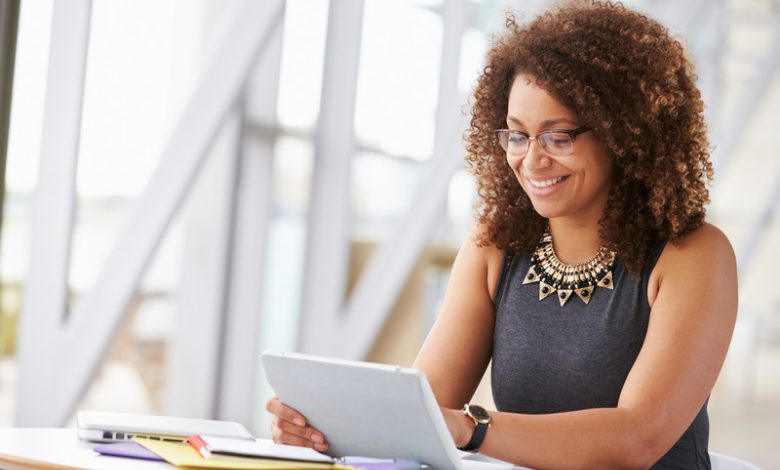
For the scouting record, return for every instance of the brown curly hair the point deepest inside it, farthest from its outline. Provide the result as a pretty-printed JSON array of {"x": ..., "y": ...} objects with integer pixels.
[{"x": 627, "y": 79}]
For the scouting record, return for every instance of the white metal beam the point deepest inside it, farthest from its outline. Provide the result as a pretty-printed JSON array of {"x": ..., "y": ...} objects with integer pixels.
[
  {"x": 238, "y": 44},
  {"x": 327, "y": 246},
  {"x": 46, "y": 288},
  {"x": 212, "y": 368},
  {"x": 193, "y": 359},
  {"x": 457, "y": 17},
  {"x": 237, "y": 397}
]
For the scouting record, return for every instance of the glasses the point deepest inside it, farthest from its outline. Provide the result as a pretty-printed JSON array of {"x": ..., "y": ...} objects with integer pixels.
[{"x": 556, "y": 142}]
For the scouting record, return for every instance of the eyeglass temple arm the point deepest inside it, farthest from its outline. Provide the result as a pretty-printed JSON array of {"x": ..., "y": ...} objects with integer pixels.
[{"x": 575, "y": 132}]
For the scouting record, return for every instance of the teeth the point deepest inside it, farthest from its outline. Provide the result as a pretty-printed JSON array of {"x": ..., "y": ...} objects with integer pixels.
[{"x": 546, "y": 183}]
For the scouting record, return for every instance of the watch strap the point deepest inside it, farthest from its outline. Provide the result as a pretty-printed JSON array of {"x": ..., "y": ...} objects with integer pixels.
[{"x": 480, "y": 431}]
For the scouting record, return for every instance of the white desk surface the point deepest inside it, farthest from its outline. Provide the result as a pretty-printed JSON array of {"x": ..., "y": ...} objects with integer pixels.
[
  {"x": 25, "y": 448},
  {"x": 60, "y": 449}
]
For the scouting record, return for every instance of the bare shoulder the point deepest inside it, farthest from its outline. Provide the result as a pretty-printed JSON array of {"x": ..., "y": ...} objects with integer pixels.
[
  {"x": 704, "y": 256},
  {"x": 487, "y": 255},
  {"x": 705, "y": 246}
]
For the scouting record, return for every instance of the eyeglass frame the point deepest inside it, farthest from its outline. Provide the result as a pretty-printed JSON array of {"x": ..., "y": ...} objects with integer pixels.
[{"x": 573, "y": 133}]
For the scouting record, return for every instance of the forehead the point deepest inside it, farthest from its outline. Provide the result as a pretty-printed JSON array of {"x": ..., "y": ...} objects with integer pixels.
[{"x": 530, "y": 103}]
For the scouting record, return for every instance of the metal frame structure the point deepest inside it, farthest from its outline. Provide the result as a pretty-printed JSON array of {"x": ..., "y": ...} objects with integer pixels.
[
  {"x": 44, "y": 333},
  {"x": 325, "y": 316},
  {"x": 236, "y": 397},
  {"x": 45, "y": 296},
  {"x": 327, "y": 247},
  {"x": 217, "y": 373}
]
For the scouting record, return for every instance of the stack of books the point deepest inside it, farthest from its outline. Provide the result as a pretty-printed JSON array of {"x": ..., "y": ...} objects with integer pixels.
[{"x": 204, "y": 451}]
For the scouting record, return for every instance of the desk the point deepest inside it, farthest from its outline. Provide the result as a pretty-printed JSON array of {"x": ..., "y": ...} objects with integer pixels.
[{"x": 60, "y": 449}]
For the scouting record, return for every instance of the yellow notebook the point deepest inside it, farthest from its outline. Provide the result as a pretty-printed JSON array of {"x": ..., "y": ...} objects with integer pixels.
[{"x": 183, "y": 455}]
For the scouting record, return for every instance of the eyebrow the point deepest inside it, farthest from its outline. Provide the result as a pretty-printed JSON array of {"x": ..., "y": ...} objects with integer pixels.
[{"x": 546, "y": 123}]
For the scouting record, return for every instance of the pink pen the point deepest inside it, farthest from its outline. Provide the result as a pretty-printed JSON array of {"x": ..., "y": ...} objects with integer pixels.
[{"x": 200, "y": 445}]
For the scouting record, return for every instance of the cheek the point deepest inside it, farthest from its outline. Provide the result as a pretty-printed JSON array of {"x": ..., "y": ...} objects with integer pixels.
[
  {"x": 607, "y": 172},
  {"x": 600, "y": 178},
  {"x": 515, "y": 163},
  {"x": 598, "y": 167}
]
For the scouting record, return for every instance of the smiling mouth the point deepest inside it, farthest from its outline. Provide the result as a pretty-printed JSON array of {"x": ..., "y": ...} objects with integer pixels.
[{"x": 546, "y": 183}]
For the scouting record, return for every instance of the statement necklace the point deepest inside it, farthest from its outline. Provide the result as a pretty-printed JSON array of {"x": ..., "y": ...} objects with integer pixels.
[{"x": 555, "y": 276}]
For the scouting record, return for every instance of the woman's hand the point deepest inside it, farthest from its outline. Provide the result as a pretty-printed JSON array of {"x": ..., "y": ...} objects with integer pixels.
[
  {"x": 289, "y": 427},
  {"x": 461, "y": 426}
]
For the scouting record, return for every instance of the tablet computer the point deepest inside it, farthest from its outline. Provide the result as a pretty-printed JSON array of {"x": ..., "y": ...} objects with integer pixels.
[
  {"x": 365, "y": 409},
  {"x": 104, "y": 426}
]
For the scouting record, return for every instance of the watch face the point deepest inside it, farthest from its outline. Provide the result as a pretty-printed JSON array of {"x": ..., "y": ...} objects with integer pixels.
[{"x": 479, "y": 413}]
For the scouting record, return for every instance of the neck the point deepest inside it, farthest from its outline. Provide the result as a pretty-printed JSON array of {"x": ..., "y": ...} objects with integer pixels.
[{"x": 575, "y": 241}]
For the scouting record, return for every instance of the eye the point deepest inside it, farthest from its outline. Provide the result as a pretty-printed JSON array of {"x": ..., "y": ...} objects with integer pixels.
[
  {"x": 557, "y": 139},
  {"x": 517, "y": 138}
]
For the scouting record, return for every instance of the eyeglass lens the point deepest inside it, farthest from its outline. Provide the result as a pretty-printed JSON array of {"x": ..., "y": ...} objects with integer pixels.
[{"x": 554, "y": 143}]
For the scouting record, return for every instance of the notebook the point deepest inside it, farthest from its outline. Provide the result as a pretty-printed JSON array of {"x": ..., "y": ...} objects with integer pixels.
[
  {"x": 104, "y": 426},
  {"x": 210, "y": 446},
  {"x": 365, "y": 409},
  {"x": 213, "y": 445}
]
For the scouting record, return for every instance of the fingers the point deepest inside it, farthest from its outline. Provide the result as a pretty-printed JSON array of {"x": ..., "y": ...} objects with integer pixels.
[
  {"x": 289, "y": 427},
  {"x": 284, "y": 412},
  {"x": 285, "y": 432}
]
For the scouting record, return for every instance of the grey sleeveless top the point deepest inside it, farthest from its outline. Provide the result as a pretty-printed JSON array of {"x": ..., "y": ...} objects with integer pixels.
[{"x": 551, "y": 359}]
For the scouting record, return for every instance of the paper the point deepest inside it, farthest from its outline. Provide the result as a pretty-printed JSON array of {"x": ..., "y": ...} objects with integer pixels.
[
  {"x": 182, "y": 454},
  {"x": 263, "y": 448},
  {"x": 127, "y": 449}
]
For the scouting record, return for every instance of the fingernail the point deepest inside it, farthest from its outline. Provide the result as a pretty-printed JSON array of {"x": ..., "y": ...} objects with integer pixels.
[
  {"x": 317, "y": 438},
  {"x": 299, "y": 421}
]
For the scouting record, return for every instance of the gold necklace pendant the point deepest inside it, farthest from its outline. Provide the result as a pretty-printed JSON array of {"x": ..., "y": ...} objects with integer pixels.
[{"x": 567, "y": 280}]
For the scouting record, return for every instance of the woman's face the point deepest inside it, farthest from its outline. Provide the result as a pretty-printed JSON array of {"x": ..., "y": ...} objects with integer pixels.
[{"x": 574, "y": 186}]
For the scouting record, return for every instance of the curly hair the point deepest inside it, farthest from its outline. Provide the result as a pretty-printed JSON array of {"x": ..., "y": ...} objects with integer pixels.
[{"x": 627, "y": 79}]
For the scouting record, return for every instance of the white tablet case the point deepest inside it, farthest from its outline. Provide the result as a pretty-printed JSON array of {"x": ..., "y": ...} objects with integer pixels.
[
  {"x": 365, "y": 409},
  {"x": 104, "y": 426}
]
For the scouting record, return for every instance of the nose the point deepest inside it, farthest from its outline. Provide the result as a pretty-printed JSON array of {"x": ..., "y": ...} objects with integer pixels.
[{"x": 535, "y": 157}]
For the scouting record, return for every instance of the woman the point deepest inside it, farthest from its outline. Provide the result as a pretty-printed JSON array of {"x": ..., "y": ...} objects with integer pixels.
[{"x": 604, "y": 300}]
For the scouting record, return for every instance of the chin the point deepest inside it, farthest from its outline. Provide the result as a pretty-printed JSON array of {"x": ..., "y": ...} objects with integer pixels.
[{"x": 546, "y": 210}]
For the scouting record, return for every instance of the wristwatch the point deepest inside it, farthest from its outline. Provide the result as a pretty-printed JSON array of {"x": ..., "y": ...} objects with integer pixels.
[{"x": 482, "y": 422}]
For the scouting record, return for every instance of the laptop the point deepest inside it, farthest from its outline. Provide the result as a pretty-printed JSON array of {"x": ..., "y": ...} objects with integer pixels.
[
  {"x": 365, "y": 409},
  {"x": 104, "y": 426}
]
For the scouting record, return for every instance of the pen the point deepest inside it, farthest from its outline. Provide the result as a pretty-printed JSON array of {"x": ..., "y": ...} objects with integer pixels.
[{"x": 200, "y": 445}]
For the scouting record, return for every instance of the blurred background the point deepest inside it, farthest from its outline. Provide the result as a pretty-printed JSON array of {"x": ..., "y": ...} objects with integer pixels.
[{"x": 191, "y": 182}]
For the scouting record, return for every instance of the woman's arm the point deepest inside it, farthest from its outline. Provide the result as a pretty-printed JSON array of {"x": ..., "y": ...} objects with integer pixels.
[
  {"x": 694, "y": 304},
  {"x": 458, "y": 347}
]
